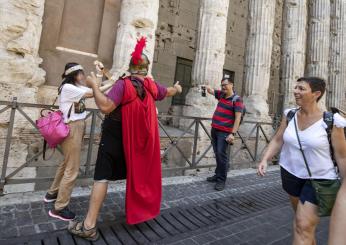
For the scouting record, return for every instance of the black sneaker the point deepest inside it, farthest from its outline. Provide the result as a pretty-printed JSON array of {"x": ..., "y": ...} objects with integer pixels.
[
  {"x": 50, "y": 197},
  {"x": 64, "y": 214},
  {"x": 212, "y": 179},
  {"x": 220, "y": 185}
]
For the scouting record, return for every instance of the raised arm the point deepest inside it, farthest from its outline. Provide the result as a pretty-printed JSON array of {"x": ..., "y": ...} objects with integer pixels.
[
  {"x": 105, "y": 104},
  {"x": 210, "y": 90},
  {"x": 171, "y": 91},
  {"x": 273, "y": 148}
]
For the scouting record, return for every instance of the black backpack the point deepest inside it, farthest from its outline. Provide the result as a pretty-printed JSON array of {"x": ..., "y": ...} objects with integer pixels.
[
  {"x": 234, "y": 99},
  {"x": 328, "y": 118}
]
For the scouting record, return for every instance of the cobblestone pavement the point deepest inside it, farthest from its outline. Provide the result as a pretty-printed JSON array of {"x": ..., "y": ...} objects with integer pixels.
[{"x": 270, "y": 226}]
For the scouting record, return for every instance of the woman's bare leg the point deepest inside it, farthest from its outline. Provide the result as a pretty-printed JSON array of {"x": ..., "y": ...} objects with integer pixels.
[
  {"x": 305, "y": 223},
  {"x": 337, "y": 229}
]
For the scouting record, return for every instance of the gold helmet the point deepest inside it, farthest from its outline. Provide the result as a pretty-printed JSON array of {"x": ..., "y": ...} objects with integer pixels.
[{"x": 139, "y": 63}]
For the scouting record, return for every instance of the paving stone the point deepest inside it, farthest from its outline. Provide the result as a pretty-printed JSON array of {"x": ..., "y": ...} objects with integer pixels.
[
  {"x": 37, "y": 205},
  {"x": 9, "y": 232},
  {"x": 7, "y": 209},
  {"x": 219, "y": 234},
  {"x": 38, "y": 212},
  {"x": 7, "y": 216},
  {"x": 41, "y": 219},
  {"x": 59, "y": 224},
  {"x": 45, "y": 227},
  {"x": 23, "y": 218},
  {"x": 228, "y": 240},
  {"x": 188, "y": 241},
  {"x": 27, "y": 230},
  {"x": 203, "y": 238},
  {"x": 23, "y": 207}
]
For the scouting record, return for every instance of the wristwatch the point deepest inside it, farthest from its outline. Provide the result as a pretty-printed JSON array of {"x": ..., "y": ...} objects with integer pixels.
[{"x": 234, "y": 134}]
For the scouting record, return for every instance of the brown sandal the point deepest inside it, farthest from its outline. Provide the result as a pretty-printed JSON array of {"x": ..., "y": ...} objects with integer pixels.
[{"x": 78, "y": 229}]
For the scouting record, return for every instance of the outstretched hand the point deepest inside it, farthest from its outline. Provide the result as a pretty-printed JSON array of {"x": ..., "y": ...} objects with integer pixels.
[{"x": 178, "y": 87}]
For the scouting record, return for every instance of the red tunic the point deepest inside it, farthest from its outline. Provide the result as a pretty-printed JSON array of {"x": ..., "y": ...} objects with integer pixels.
[{"x": 142, "y": 153}]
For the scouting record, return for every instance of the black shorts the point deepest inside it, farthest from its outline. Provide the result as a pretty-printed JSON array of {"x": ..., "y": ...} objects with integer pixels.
[
  {"x": 298, "y": 187},
  {"x": 110, "y": 163}
]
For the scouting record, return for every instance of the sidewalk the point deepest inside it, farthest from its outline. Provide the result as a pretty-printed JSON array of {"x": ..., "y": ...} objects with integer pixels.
[{"x": 269, "y": 217}]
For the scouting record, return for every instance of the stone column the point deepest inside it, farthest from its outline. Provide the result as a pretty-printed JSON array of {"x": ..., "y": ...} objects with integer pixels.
[
  {"x": 210, "y": 56},
  {"x": 20, "y": 34},
  {"x": 20, "y": 76},
  {"x": 137, "y": 18},
  {"x": 337, "y": 73},
  {"x": 258, "y": 58},
  {"x": 293, "y": 47},
  {"x": 318, "y": 41}
]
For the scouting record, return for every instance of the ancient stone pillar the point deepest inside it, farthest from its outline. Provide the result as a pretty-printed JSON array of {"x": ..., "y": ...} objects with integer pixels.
[
  {"x": 210, "y": 56},
  {"x": 293, "y": 47},
  {"x": 258, "y": 58},
  {"x": 20, "y": 76},
  {"x": 318, "y": 40},
  {"x": 20, "y": 33},
  {"x": 137, "y": 18},
  {"x": 337, "y": 73}
]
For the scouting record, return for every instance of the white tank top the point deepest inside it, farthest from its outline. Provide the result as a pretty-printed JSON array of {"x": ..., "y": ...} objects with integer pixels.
[{"x": 316, "y": 147}]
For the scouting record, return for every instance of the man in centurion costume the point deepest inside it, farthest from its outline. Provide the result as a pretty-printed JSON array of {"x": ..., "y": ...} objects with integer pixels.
[{"x": 130, "y": 149}]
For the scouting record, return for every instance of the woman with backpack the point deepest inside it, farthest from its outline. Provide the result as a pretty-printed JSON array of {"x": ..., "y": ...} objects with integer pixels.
[
  {"x": 71, "y": 98},
  {"x": 306, "y": 158}
]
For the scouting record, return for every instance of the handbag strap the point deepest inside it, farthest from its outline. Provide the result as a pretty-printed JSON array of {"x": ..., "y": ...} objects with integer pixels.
[
  {"x": 300, "y": 146},
  {"x": 44, "y": 151}
]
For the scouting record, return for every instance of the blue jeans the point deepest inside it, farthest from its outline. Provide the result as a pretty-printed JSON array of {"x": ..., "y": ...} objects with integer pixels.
[{"x": 220, "y": 147}]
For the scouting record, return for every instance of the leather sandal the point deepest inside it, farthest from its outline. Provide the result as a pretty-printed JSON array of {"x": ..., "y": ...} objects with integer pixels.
[{"x": 78, "y": 229}]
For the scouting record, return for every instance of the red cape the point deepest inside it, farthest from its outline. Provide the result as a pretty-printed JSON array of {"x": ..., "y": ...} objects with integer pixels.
[{"x": 142, "y": 153}]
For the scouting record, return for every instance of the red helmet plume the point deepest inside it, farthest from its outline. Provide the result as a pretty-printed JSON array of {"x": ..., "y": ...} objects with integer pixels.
[{"x": 137, "y": 53}]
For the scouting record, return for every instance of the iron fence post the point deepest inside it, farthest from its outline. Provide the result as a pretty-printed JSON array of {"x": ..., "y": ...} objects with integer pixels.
[
  {"x": 256, "y": 143},
  {"x": 91, "y": 141},
  {"x": 7, "y": 146},
  {"x": 195, "y": 140}
]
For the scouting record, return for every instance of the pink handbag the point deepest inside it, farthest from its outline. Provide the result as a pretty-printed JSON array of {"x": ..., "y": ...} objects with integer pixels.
[{"x": 52, "y": 128}]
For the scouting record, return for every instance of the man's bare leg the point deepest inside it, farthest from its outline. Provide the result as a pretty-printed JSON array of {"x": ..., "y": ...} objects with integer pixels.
[{"x": 97, "y": 197}]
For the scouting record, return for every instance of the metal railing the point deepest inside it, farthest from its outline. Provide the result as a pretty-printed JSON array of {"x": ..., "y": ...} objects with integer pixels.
[{"x": 195, "y": 130}]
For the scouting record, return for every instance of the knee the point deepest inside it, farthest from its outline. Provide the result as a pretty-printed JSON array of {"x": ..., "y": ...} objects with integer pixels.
[
  {"x": 302, "y": 225},
  {"x": 71, "y": 174},
  {"x": 221, "y": 153}
]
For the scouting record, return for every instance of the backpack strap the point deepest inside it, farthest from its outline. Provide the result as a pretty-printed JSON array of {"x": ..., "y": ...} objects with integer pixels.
[
  {"x": 290, "y": 115},
  {"x": 328, "y": 118}
]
